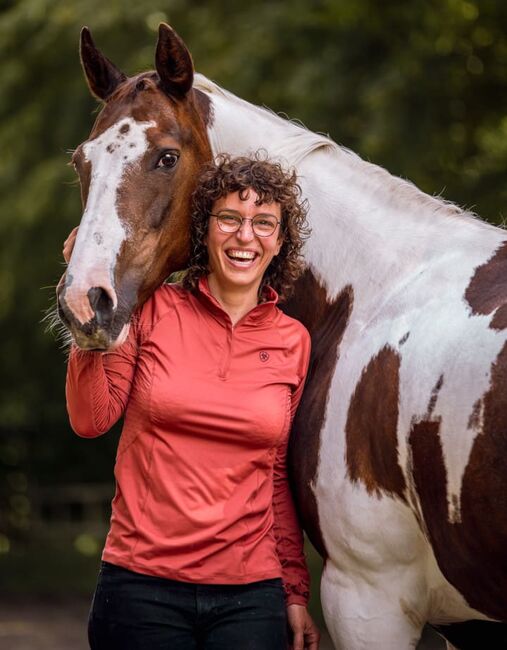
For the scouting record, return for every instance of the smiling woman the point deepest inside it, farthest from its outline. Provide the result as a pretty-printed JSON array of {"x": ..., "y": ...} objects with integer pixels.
[
  {"x": 209, "y": 380},
  {"x": 257, "y": 227}
]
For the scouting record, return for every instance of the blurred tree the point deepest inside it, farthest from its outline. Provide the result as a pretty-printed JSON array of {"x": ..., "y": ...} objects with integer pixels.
[{"x": 417, "y": 87}]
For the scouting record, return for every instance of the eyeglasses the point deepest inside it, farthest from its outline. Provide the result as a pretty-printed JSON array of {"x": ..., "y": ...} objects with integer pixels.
[{"x": 263, "y": 225}]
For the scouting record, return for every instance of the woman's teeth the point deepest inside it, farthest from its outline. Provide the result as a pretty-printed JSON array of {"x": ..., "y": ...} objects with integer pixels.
[{"x": 241, "y": 255}]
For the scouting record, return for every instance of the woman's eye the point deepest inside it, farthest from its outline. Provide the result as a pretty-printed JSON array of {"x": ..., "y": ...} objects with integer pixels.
[{"x": 168, "y": 160}]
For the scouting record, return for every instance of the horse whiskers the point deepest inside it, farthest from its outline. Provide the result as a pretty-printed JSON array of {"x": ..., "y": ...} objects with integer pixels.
[
  {"x": 53, "y": 325},
  {"x": 51, "y": 320}
]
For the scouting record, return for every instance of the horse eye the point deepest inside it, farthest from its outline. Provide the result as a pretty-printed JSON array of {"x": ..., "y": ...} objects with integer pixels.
[{"x": 168, "y": 160}]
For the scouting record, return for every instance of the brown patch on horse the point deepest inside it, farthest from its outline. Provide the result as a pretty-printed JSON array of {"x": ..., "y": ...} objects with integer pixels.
[
  {"x": 204, "y": 106},
  {"x": 470, "y": 552},
  {"x": 326, "y": 322},
  {"x": 487, "y": 290},
  {"x": 499, "y": 321},
  {"x": 404, "y": 339},
  {"x": 371, "y": 429},
  {"x": 475, "y": 419},
  {"x": 434, "y": 396}
]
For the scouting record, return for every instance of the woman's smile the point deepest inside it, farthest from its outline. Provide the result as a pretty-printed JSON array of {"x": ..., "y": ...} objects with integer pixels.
[{"x": 241, "y": 257}]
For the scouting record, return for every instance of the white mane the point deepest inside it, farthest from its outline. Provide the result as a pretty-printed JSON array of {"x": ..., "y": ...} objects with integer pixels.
[{"x": 296, "y": 142}]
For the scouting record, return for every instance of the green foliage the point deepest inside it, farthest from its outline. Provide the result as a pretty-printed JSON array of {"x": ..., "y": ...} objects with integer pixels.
[{"x": 417, "y": 87}]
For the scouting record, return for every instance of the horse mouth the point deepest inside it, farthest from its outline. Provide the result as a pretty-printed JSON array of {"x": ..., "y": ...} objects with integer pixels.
[
  {"x": 93, "y": 335},
  {"x": 99, "y": 340}
]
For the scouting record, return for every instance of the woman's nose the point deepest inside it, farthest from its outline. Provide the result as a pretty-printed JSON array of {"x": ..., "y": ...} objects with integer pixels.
[{"x": 245, "y": 231}]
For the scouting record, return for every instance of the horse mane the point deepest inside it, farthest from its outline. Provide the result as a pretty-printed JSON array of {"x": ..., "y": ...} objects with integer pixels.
[{"x": 399, "y": 192}]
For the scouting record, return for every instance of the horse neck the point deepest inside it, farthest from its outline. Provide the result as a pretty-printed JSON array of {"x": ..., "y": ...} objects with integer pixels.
[{"x": 367, "y": 225}]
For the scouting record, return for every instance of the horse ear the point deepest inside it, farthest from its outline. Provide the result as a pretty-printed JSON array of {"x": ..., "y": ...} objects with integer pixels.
[
  {"x": 173, "y": 62},
  {"x": 102, "y": 75}
]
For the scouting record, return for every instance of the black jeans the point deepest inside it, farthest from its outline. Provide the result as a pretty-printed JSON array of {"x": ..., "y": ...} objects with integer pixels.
[{"x": 132, "y": 611}]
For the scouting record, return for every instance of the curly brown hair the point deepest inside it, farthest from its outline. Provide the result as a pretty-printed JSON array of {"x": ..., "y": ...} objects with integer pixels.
[{"x": 272, "y": 185}]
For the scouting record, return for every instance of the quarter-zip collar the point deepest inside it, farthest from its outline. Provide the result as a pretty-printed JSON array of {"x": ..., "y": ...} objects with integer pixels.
[{"x": 264, "y": 311}]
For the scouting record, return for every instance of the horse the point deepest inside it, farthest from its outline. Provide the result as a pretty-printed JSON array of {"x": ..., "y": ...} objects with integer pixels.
[{"x": 398, "y": 449}]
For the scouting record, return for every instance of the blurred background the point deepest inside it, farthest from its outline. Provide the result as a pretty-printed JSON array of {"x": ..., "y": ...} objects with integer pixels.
[{"x": 418, "y": 87}]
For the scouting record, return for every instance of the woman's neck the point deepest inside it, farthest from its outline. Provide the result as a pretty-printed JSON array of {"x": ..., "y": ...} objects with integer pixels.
[{"x": 235, "y": 301}]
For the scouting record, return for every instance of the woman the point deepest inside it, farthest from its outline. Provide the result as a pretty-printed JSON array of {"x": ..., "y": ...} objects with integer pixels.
[{"x": 204, "y": 549}]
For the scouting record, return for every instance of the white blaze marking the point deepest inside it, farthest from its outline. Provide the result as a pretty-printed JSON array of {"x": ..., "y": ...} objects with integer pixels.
[{"x": 101, "y": 231}]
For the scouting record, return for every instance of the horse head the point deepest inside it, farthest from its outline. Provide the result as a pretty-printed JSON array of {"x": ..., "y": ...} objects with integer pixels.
[{"x": 137, "y": 172}]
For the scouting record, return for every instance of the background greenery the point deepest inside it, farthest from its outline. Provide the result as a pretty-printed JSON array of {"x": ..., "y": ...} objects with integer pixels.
[{"x": 418, "y": 86}]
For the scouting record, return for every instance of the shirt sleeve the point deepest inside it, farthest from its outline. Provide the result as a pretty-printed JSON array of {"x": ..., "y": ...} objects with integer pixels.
[
  {"x": 288, "y": 532},
  {"x": 98, "y": 386}
]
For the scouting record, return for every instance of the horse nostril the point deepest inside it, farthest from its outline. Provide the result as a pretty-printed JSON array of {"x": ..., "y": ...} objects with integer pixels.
[{"x": 102, "y": 304}]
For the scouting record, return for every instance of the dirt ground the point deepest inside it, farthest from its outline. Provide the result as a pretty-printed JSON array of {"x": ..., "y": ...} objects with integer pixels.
[
  {"x": 55, "y": 624},
  {"x": 50, "y": 624}
]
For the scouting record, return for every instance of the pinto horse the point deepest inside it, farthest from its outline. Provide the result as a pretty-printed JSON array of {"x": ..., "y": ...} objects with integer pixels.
[{"x": 399, "y": 448}]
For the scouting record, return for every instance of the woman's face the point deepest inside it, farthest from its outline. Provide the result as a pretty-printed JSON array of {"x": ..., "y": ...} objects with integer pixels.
[{"x": 240, "y": 259}]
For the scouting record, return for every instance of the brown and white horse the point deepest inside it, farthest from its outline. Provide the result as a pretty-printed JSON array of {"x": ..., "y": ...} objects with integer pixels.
[{"x": 399, "y": 449}]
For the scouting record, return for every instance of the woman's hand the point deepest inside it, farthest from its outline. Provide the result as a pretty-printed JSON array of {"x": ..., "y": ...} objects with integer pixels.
[
  {"x": 68, "y": 244},
  {"x": 306, "y": 636}
]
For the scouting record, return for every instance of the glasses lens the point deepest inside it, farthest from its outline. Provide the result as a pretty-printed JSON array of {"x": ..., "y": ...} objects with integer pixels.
[
  {"x": 264, "y": 225},
  {"x": 228, "y": 222}
]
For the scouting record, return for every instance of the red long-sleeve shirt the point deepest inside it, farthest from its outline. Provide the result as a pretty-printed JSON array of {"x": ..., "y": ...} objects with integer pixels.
[{"x": 201, "y": 481}]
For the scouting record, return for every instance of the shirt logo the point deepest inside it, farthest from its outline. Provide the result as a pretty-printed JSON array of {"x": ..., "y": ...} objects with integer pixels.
[{"x": 263, "y": 356}]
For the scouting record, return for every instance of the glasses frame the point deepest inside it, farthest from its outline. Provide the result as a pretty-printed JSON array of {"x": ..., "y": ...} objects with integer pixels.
[{"x": 243, "y": 219}]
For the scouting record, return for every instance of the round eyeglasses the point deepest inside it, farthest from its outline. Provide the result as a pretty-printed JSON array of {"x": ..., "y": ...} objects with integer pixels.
[{"x": 263, "y": 225}]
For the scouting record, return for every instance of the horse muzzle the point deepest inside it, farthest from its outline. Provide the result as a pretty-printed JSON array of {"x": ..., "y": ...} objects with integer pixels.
[{"x": 104, "y": 328}]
